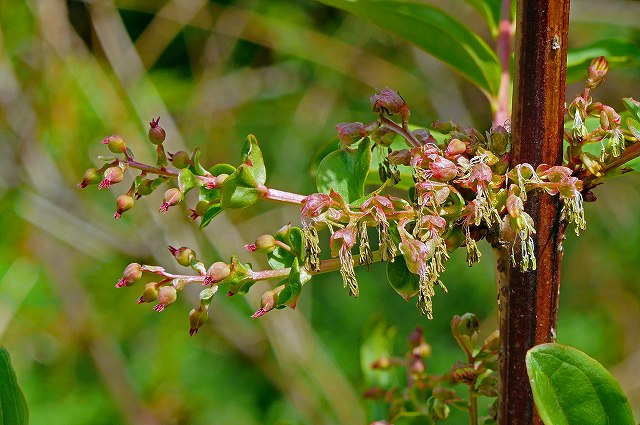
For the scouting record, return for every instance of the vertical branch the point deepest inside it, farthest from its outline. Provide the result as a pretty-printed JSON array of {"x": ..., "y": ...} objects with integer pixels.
[
  {"x": 503, "y": 49},
  {"x": 529, "y": 300}
]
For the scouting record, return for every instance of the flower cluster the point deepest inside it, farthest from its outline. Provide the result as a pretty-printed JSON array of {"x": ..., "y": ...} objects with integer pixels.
[{"x": 439, "y": 188}]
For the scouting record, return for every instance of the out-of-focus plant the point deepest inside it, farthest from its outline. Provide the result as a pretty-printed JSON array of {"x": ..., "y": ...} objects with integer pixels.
[{"x": 417, "y": 395}]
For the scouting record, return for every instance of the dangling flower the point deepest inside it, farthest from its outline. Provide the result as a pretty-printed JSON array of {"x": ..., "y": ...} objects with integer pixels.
[
  {"x": 473, "y": 253},
  {"x": 417, "y": 255},
  {"x": 376, "y": 206},
  {"x": 572, "y": 203},
  {"x": 523, "y": 226},
  {"x": 314, "y": 205},
  {"x": 366, "y": 256},
  {"x": 343, "y": 241},
  {"x": 478, "y": 176},
  {"x": 311, "y": 247}
]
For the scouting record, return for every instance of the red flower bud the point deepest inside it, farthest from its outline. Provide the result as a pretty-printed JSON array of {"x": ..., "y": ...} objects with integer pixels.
[
  {"x": 111, "y": 175},
  {"x": 387, "y": 101},
  {"x": 597, "y": 72},
  {"x": 156, "y": 133}
]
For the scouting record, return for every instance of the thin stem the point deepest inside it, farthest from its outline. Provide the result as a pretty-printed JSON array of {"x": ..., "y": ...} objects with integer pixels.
[
  {"x": 503, "y": 50},
  {"x": 473, "y": 405},
  {"x": 281, "y": 196},
  {"x": 404, "y": 132},
  {"x": 149, "y": 169}
]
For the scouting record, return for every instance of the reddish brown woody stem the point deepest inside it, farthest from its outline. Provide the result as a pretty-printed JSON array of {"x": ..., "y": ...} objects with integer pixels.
[{"x": 529, "y": 300}]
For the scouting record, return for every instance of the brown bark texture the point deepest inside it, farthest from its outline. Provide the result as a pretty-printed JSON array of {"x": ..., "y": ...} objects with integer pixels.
[{"x": 529, "y": 300}]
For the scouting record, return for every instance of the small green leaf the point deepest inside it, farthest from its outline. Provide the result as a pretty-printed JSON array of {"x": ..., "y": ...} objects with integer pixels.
[
  {"x": 13, "y": 406},
  {"x": 570, "y": 387},
  {"x": 218, "y": 169},
  {"x": 296, "y": 242},
  {"x": 345, "y": 171},
  {"x": 238, "y": 278},
  {"x": 634, "y": 127},
  {"x": 239, "y": 189},
  {"x": 401, "y": 279},
  {"x": 435, "y": 32},
  {"x": 290, "y": 294},
  {"x": 157, "y": 182},
  {"x": 619, "y": 52},
  {"x": 632, "y": 106},
  {"x": 195, "y": 160},
  {"x": 252, "y": 158},
  {"x": 186, "y": 180},
  {"x": 213, "y": 211},
  {"x": 209, "y": 195}
]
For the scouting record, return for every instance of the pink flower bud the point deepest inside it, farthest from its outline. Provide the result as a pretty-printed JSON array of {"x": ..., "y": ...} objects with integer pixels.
[
  {"x": 217, "y": 273},
  {"x": 265, "y": 244},
  {"x": 112, "y": 175},
  {"x": 123, "y": 203},
  {"x": 455, "y": 147},
  {"x": 268, "y": 302},
  {"x": 424, "y": 136},
  {"x": 171, "y": 197},
  {"x": 315, "y": 204},
  {"x": 131, "y": 274},
  {"x": 400, "y": 157},
  {"x": 156, "y": 133},
  {"x": 167, "y": 295},
  {"x": 443, "y": 169}
]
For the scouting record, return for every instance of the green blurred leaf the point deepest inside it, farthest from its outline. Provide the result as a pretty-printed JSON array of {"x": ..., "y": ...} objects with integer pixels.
[
  {"x": 405, "y": 283},
  {"x": 186, "y": 180},
  {"x": 345, "y": 171},
  {"x": 490, "y": 11},
  {"x": 412, "y": 418},
  {"x": 252, "y": 158},
  {"x": 570, "y": 387},
  {"x": 239, "y": 189},
  {"x": 435, "y": 32},
  {"x": 13, "y": 406},
  {"x": 619, "y": 52}
]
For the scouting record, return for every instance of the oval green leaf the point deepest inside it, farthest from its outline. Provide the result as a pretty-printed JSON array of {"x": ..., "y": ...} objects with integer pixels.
[
  {"x": 13, "y": 406},
  {"x": 186, "y": 180},
  {"x": 435, "y": 32},
  {"x": 345, "y": 171},
  {"x": 213, "y": 211},
  {"x": 405, "y": 283},
  {"x": 570, "y": 388},
  {"x": 239, "y": 189},
  {"x": 252, "y": 158}
]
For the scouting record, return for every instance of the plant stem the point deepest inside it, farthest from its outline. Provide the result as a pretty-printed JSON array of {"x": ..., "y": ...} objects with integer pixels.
[
  {"x": 473, "y": 405},
  {"x": 281, "y": 196},
  {"x": 403, "y": 131},
  {"x": 503, "y": 50},
  {"x": 529, "y": 300}
]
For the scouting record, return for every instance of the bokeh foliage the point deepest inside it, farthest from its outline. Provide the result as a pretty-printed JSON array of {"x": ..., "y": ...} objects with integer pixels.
[{"x": 72, "y": 72}]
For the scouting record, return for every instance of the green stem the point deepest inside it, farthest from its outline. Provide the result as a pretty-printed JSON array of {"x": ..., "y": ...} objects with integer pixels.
[{"x": 473, "y": 405}]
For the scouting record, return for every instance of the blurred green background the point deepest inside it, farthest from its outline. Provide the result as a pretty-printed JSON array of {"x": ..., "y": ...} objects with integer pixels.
[{"x": 72, "y": 72}]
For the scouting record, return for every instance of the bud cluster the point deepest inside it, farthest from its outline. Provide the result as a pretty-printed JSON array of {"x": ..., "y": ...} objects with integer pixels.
[{"x": 452, "y": 186}]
